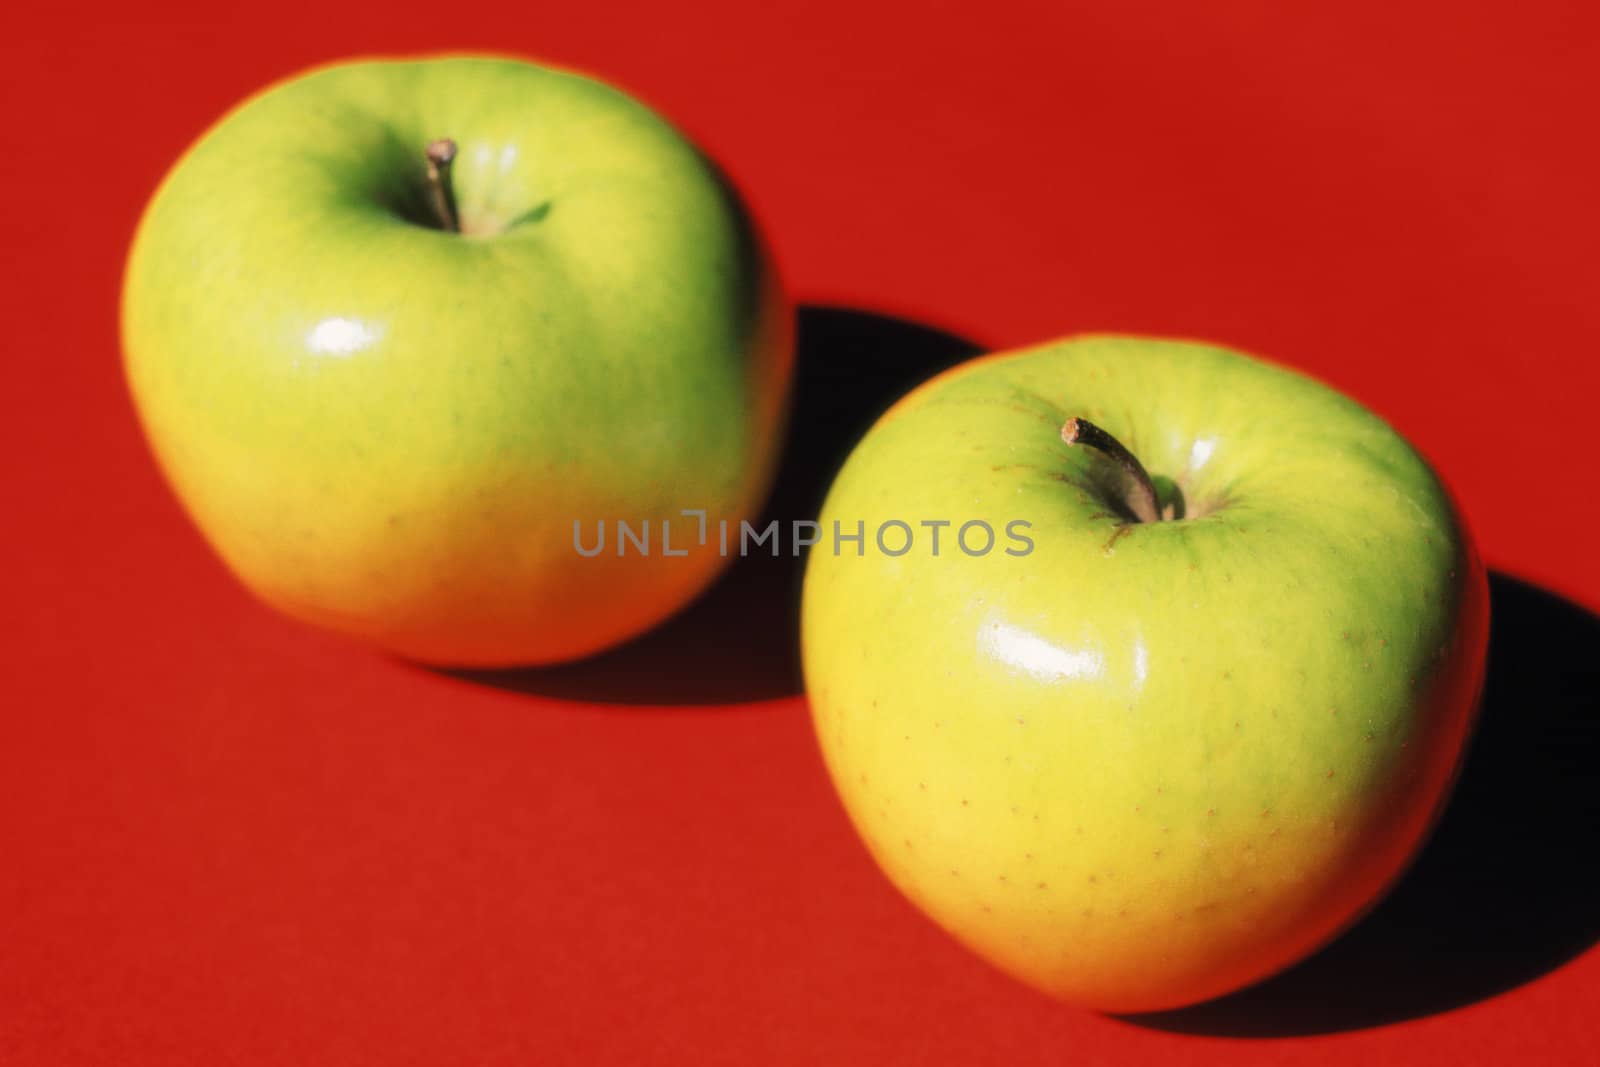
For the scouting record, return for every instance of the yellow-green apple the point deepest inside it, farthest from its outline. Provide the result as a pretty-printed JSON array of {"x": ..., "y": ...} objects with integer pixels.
[
  {"x": 394, "y": 326},
  {"x": 1194, "y": 714}
]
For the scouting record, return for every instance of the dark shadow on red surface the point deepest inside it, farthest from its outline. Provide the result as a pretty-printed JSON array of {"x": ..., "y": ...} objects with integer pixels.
[
  {"x": 740, "y": 641},
  {"x": 1507, "y": 889}
]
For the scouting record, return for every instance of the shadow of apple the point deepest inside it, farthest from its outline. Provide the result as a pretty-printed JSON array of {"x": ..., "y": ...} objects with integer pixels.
[
  {"x": 739, "y": 641},
  {"x": 1508, "y": 886}
]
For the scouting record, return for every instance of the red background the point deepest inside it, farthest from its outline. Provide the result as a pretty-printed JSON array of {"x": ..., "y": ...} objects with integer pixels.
[{"x": 226, "y": 839}]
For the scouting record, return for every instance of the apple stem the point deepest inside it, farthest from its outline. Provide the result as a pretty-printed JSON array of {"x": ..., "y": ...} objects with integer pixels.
[
  {"x": 1143, "y": 502},
  {"x": 440, "y": 155}
]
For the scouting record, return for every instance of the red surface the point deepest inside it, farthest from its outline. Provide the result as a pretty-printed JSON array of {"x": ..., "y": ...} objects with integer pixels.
[{"x": 226, "y": 839}]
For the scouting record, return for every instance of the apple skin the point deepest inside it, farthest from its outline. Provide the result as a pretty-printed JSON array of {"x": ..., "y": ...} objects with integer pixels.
[
  {"x": 1144, "y": 766},
  {"x": 387, "y": 429}
]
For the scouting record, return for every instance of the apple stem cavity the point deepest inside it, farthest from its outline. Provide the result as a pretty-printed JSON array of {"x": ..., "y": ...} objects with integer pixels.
[
  {"x": 440, "y": 154},
  {"x": 1142, "y": 501}
]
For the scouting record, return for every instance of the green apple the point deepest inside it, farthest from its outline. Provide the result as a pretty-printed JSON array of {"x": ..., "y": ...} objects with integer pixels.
[
  {"x": 393, "y": 327},
  {"x": 1163, "y": 733}
]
